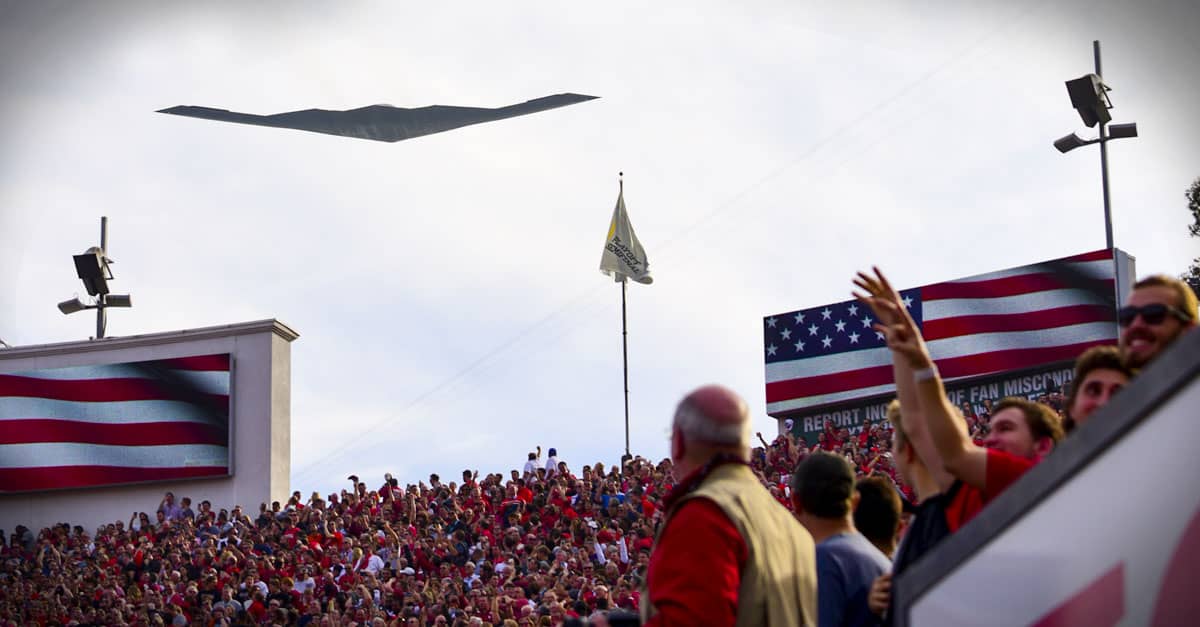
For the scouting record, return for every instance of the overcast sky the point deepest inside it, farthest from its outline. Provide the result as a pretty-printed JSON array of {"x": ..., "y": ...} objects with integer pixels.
[{"x": 446, "y": 288}]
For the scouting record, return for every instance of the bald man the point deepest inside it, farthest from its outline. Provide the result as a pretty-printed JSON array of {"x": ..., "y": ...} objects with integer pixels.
[{"x": 727, "y": 552}]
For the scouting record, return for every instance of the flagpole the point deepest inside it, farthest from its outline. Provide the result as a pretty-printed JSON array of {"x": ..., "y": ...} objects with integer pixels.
[
  {"x": 625, "y": 361},
  {"x": 624, "y": 342}
]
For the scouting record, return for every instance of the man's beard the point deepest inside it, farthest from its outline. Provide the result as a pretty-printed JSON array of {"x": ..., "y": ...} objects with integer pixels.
[{"x": 1138, "y": 361}]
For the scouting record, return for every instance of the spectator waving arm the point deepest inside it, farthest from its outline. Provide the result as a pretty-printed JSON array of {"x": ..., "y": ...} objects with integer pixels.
[
  {"x": 391, "y": 533},
  {"x": 959, "y": 456},
  {"x": 889, "y": 309}
]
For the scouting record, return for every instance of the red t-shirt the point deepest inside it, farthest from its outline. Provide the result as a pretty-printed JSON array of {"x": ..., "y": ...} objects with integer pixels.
[
  {"x": 257, "y": 610},
  {"x": 629, "y": 600},
  {"x": 1003, "y": 470},
  {"x": 643, "y": 544},
  {"x": 963, "y": 507}
]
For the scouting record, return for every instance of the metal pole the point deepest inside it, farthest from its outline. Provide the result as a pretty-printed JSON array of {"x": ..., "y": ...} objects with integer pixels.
[
  {"x": 625, "y": 362},
  {"x": 101, "y": 317},
  {"x": 101, "y": 321},
  {"x": 1108, "y": 235}
]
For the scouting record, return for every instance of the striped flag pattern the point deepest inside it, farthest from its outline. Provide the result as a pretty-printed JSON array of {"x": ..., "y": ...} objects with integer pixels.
[
  {"x": 118, "y": 423},
  {"x": 1001, "y": 321}
]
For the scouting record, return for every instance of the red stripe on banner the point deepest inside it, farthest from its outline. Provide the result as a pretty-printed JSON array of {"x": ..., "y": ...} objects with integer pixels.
[
  {"x": 1097, "y": 255},
  {"x": 40, "y": 430},
  {"x": 999, "y": 361},
  {"x": 951, "y": 368},
  {"x": 197, "y": 362},
  {"x": 101, "y": 390},
  {"x": 829, "y": 383},
  {"x": 1029, "y": 321},
  {"x": 1178, "y": 603},
  {"x": 1100, "y": 604},
  {"x": 54, "y": 477},
  {"x": 997, "y": 288}
]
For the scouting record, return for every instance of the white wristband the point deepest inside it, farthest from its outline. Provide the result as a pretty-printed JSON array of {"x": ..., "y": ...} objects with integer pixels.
[{"x": 925, "y": 374}]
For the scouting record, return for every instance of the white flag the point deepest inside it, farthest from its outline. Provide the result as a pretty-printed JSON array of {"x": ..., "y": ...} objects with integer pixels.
[{"x": 624, "y": 256}]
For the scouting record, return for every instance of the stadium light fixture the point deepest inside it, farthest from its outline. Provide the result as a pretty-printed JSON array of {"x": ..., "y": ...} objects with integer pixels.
[
  {"x": 72, "y": 306},
  {"x": 118, "y": 300},
  {"x": 1121, "y": 131},
  {"x": 1089, "y": 97},
  {"x": 1071, "y": 142},
  {"x": 93, "y": 269}
]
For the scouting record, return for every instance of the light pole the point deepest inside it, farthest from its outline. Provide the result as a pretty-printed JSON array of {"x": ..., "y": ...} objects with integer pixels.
[
  {"x": 1089, "y": 96},
  {"x": 92, "y": 268}
]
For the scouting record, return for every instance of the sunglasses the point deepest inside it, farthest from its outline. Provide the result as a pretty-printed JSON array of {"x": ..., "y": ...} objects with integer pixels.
[{"x": 1152, "y": 314}]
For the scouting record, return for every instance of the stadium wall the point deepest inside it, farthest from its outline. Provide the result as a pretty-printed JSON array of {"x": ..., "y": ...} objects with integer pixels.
[{"x": 260, "y": 423}]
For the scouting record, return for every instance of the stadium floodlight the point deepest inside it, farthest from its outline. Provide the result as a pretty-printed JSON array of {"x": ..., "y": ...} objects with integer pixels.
[
  {"x": 1071, "y": 142},
  {"x": 1089, "y": 97},
  {"x": 93, "y": 269},
  {"x": 72, "y": 306},
  {"x": 1120, "y": 131}
]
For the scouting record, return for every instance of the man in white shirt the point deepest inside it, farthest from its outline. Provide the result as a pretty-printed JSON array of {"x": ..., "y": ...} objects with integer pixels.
[
  {"x": 304, "y": 581},
  {"x": 532, "y": 464}
]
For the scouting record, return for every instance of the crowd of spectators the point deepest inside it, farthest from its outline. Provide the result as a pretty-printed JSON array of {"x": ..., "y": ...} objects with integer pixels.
[
  {"x": 542, "y": 546},
  {"x": 537, "y": 547},
  {"x": 533, "y": 547}
]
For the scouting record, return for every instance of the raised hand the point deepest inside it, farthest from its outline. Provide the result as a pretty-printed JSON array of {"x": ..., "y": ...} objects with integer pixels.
[
  {"x": 897, "y": 326},
  {"x": 905, "y": 339},
  {"x": 880, "y": 296}
]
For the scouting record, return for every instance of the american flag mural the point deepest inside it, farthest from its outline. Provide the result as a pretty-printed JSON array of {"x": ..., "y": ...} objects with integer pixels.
[
  {"x": 1000, "y": 321},
  {"x": 116, "y": 423}
]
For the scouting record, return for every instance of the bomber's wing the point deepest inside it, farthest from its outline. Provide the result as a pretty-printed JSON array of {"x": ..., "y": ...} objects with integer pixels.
[{"x": 383, "y": 123}]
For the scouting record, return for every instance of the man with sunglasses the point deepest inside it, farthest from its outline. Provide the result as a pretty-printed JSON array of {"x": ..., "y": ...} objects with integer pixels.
[{"x": 1159, "y": 309}]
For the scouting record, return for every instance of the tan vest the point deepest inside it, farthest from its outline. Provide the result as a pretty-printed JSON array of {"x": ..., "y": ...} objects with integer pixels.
[{"x": 779, "y": 578}]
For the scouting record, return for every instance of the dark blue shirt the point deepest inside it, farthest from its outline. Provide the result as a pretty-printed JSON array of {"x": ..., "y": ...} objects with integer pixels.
[{"x": 847, "y": 565}]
